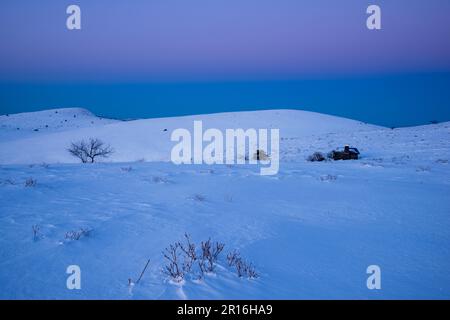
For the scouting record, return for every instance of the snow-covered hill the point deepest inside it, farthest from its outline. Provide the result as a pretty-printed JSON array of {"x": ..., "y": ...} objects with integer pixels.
[
  {"x": 147, "y": 139},
  {"x": 35, "y": 124},
  {"x": 311, "y": 231}
]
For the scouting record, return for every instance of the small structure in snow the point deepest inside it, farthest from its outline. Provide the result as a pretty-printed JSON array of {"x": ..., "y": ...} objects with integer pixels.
[{"x": 346, "y": 154}]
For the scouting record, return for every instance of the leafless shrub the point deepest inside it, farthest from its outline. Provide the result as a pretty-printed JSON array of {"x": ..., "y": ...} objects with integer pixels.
[
  {"x": 184, "y": 259},
  {"x": 328, "y": 177},
  {"x": 126, "y": 169},
  {"x": 88, "y": 151},
  {"x": 30, "y": 182},
  {"x": 173, "y": 268},
  {"x": 316, "y": 156},
  {"x": 77, "y": 234},
  {"x": 198, "y": 197},
  {"x": 243, "y": 268},
  {"x": 209, "y": 255},
  {"x": 189, "y": 251},
  {"x": 36, "y": 229},
  {"x": 232, "y": 257},
  {"x": 158, "y": 179}
]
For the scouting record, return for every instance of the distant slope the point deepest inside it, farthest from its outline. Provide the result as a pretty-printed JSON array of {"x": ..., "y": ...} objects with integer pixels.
[
  {"x": 148, "y": 139},
  {"x": 28, "y": 124}
]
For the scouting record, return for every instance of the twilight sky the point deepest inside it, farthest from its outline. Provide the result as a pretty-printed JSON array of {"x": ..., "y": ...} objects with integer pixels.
[
  {"x": 174, "y": 40},
  {"x": 152, "y": 58}
]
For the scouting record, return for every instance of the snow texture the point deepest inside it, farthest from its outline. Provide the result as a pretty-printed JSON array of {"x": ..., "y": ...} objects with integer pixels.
[{"x": 311, "y": 230}]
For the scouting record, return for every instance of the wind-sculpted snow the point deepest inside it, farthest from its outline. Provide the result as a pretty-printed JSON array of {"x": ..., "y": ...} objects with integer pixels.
[{"x": 311, "y": 231}]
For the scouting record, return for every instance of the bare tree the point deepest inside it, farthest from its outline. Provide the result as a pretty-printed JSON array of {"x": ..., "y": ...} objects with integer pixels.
[{"x": 88, "y": 151}]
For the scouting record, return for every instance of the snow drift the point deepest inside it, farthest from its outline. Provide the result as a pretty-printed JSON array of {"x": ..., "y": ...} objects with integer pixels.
[{"x": 311, "y": 231}]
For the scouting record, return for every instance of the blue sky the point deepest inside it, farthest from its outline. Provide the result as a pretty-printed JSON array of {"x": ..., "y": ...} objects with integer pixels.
[{"x": 173, "y": 57}]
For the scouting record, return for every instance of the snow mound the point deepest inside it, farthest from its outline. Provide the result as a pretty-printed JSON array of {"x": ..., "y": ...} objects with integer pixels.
[
  {"x": 149, "y": 139},
  {"x": 20, "y": 125}
]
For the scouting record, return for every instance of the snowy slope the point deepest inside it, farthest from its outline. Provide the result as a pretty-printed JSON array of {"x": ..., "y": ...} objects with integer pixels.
[
  {"x": 311, "y": 231},
  {"x": 150, "y": 139},
  {"x": 36, "y": 124}
]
